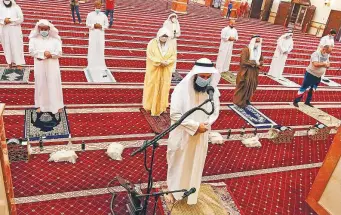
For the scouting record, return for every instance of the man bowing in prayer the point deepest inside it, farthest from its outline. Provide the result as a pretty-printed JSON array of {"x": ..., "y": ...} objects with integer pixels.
[
  {"x": 46, "y": 47},
  {"x": 188, "y": 143},
  {"x": 251, "y": 60},
  {"x": 228, "y": 36},
  {"x": 160, "y": 59},
  {"x": 97, "y": 23},
  {"x": 285, "y": 44},
  {"x": 173, "y": 26},
  {"x": 11, "y": 18}
]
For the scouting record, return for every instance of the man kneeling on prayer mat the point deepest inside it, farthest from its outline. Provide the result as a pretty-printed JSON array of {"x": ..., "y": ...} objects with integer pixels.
[
  {"x": 46, "y": 47},
  {"x": 319, "y": 62},
  {"x": 251, "y": 59},
  {"x": 160, "y": 59},
  {"x": 188, "y": 143},
  {"x": 11, "y": 36}
]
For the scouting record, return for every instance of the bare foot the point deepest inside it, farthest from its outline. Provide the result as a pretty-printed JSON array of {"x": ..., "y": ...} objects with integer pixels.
[
  {"x": 170, "y": 198},
  {"x": 38, "y": 110},
  {"x": 60, "y": 110}
]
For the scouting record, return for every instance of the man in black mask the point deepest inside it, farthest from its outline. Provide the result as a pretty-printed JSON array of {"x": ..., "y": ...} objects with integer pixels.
[{"x": 11, "y": 18}]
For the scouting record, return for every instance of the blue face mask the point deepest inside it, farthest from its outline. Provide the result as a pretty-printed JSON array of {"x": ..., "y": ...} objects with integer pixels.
[
  {"x": 202, "y": 82},
  {"x": 98, "y": 10},
  {"x": 44, "y": 33}
]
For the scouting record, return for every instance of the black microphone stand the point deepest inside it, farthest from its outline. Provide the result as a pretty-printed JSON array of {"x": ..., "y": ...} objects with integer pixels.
[{"x": 154, "y": 143}]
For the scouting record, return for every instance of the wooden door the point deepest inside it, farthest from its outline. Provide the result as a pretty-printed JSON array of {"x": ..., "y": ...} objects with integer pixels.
[
  {"x": 283, "y": 13},
  {"x": 267, "y": 10},
  {"x": 300, "y": 16},
  {"x": 308, "y": 18},
  {"x": 256, "y": 8},
  {"x": 334, "y": 22}
]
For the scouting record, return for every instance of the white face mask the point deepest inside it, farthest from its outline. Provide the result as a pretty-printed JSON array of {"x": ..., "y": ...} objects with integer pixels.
[
  {"x": 331, "y": 37},
  {"x": 163, "y": 39},
  {"x": 97, "y": 10},
  {"x": 44, "y": 33}
]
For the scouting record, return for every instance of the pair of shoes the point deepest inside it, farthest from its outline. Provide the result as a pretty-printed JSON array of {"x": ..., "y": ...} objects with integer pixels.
[
  {"x": 309, "y": 104},
  {"x": 326, "y": 80},
  {"x": 295, "y": 104}
]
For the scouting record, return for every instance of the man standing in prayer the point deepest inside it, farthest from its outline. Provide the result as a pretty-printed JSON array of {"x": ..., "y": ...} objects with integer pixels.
[
  {"x": 11, "y": 18},
  {"x": 173, "y": 26},
  {"x": 188, "y": 143},
  {"x": 285, "y": 44},
  {"x": 46, "y": 47},
  {"x": 327, "y": 40},
  {"x": 160, "y": 59},
  {"x": 97, "y": 23},
  {"x": 251, "y": 59},
  {"x": 319, "y": 62},
  {"x": 228, "y": 36}
]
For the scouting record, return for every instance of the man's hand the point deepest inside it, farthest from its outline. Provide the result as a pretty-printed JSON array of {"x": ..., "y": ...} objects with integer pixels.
[
  {"x": 164, "y": 63},
  {"x": 7, "y": 21},
  {"x": 202, "y": 128},
  {"x": 327, "y": 65},
  {"x": 232, "y": 39},
  {"x": 47, "y": 54},
  {"x": 98, "y": 26}
]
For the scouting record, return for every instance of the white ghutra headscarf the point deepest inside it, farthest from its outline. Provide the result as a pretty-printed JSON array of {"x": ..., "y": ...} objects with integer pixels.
[
  {"x": 53, "y": 32},
  {"x": 164, "y": 48}
]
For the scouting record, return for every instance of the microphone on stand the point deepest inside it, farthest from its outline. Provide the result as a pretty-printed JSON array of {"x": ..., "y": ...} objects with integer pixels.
[
  {"x": 189, "y": 192},
  {"x": 210, "y": 92}
]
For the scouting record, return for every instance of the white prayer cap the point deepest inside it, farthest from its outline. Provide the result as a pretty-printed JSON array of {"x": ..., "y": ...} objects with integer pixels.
[{"x": 53, "y": 32}]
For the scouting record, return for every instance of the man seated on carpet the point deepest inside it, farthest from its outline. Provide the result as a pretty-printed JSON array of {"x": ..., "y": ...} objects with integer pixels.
[
  {"x": 97, "y": 23},
  {"x": 251, "y": 59},
  {"x": 327, "y": 40},
  {"x": 285, "y": 44},
  {"x": 188, "y": 143},
  {"x": 228, "y": 36},
  {"x": 319, "y": 62},
  {"x": 11, "y": 18},
  {"x": 157, "y": 81},
  {"x": 46, "y": 47},
  {"x": 173, "y": 26}
]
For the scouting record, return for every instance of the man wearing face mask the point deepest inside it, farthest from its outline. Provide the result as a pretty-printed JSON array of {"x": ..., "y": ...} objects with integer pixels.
[
  {"x": 173, "y": 26},
  {"x": 188, "y": 143},
  {"x": 251, "y": 59},
  {"x": 327, "y": 40},
  {"x": 285, "y": 44},
  {"x": 97, "y": 23},
  {"x": 11, "y": 18},
  {"x": 228, "y": 36},
  {"x": 160, "y": 59},
  {"x": 319, "y": 62},
  {"x": 46, "y": 47}
]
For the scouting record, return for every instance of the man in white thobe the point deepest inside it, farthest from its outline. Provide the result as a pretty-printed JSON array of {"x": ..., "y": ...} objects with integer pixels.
[
  {"x": 228, "y": 36},
  {"x": 327, "y": 40},
  {"x": 11, "y": 18},
  {"x": 173, "y": 26},
  {"x": 285, "y": 44},
  {"x": 97, "y": 23},
  {"x": 188, "y": 143},
  {"x": 46, "y": 47}
]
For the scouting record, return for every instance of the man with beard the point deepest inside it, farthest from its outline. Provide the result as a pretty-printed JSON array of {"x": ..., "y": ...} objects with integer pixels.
[
  {"x": 188, "y": 143},
  {"x": 11, "y": 18},
  {"x": 251, "y": 60}
]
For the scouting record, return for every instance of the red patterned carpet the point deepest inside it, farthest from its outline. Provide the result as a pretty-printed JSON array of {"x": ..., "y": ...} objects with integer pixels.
[{"x": 274, "y": 179}]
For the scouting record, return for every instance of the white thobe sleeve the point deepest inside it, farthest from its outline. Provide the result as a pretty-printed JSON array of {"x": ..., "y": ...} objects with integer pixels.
[
  {"x": 236, "y": 36},
  {"x": 19, "y": 19},
  {"x": 57, "y": 53},
  {"x": 225, "y": 35},
  {"x": 34, "y": 52},
  {"x": 2, "y": 17},
  {"x": 106, "y": 23},
  {"x": 178, "y": 32},
  {"x": 189, "y": 125},
  {"x": 89, "y": 22}
]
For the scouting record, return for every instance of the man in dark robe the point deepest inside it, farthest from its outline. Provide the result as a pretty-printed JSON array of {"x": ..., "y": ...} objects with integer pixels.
[{"x": 251, "y": 60}]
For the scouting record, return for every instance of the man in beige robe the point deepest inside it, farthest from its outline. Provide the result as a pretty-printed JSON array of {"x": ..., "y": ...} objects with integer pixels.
[
  {"x": 188, "y": 143},
  {"x": 251, "y": 60},
  {"x": 160, "y": 59}
]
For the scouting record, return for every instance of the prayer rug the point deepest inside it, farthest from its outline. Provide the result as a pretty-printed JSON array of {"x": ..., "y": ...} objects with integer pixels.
[
  {"x": 176, "y": 78},
  {"x": 99, "y": 76},
  {"x": 229, "y": 76},
  {"x": 47, "y": 125},
  {"x": 284, "y": 81},
  {"x": 157, "y": 123},
  {"x": 319, "y": 115},
  {"x": 253, "y": 116},
  {"x": 331, "y": 83},
  {"x": 14, "y": 75},
  {"x": 214, "y": 199}
]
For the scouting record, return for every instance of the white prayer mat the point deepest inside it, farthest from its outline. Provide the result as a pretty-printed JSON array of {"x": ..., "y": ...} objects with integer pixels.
[
  {"x": 331, "y": 83},
  {"x": 48, "y": 125},
  {"x": 319, "y": 115},
  {"x": 229, "y": 77},
  {"x": 284, "y": 81},
  {"x": 14, "y": 75},
  {"x": 99, "y": 76}
]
